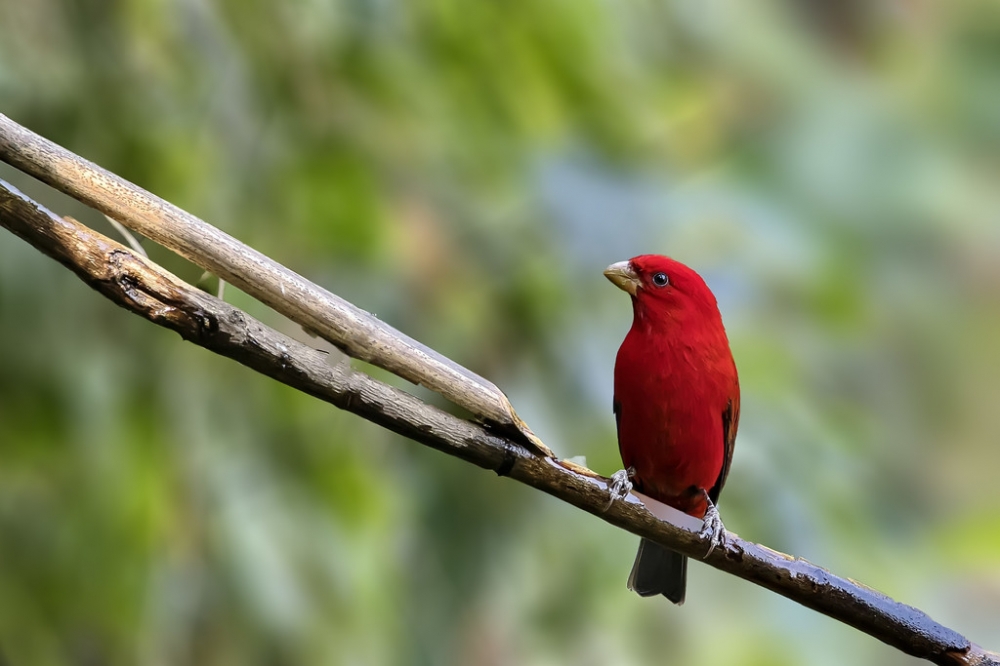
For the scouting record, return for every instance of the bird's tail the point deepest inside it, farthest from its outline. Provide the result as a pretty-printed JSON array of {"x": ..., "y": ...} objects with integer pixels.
[{"x": 658, "y": 570}]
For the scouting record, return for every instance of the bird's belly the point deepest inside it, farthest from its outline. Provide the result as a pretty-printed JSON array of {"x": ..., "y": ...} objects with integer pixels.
[{"x": 676, "y": 465}]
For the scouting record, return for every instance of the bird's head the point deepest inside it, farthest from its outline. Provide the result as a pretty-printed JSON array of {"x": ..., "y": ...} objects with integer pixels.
[{"x": 662, "y": 285}]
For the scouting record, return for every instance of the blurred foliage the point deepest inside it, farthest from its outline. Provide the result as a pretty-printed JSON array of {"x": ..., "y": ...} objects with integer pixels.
[{"x": 465, "y": 171}]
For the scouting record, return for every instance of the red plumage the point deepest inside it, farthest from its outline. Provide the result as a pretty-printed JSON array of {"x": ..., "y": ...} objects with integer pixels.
[{"x": 677, "y": 402}]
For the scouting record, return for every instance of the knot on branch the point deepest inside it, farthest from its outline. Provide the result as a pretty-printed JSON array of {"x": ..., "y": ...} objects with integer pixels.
[{"x": 136, "y": 285}]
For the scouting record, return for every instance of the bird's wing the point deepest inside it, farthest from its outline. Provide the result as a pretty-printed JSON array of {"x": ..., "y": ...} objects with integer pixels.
[
  {"x": 730, "y": 422},
  {"x": 616, "y": 407}
]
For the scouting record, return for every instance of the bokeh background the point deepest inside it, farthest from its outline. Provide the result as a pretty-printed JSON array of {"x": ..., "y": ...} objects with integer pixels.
[{"x": 466, "y": 170}]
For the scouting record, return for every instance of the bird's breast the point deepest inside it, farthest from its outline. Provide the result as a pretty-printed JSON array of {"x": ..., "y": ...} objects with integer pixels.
[{"x": 671, "y": 396}]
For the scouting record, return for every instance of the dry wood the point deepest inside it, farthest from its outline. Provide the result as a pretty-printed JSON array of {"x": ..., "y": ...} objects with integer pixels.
[{"x": 358, "y": 333}]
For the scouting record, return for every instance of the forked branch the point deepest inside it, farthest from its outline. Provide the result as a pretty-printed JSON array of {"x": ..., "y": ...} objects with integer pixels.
[{"x": 503, "y": 444}]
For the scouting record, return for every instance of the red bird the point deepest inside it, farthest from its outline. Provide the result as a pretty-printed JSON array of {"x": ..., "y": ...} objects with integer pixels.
[{"x": 677, "y": 406}]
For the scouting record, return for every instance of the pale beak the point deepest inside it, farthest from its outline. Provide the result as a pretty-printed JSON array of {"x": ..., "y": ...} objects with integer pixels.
[{"x": 623, "y": 277}]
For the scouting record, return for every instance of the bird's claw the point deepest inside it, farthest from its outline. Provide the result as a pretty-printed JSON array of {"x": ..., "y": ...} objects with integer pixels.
[
  {"x": 713, "y": 529},
  {"x": 620, "y": 486}
]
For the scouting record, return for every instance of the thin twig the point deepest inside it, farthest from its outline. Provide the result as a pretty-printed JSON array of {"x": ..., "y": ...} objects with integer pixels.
[
  {"x": 133, "y": 242},
  {"x": 141, "y": 286}
]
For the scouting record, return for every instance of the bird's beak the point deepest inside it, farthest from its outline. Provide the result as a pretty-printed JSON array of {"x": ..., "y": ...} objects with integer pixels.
[{"x": 623, "y": 277}]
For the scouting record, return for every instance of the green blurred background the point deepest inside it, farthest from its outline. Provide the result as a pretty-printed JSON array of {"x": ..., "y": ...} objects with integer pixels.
[{"x": 466, "y": 170}]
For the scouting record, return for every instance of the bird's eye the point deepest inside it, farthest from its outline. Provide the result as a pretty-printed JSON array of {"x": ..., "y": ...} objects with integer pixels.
[{"x": 661, "y": 279}]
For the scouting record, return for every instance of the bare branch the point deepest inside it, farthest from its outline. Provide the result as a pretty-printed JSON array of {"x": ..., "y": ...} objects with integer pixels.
[
  {"x": 141, "y": 286},
  {"x": 358, "y": 333}
]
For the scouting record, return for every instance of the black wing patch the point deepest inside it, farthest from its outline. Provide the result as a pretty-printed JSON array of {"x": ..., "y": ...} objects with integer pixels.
[
  {"x": 730, "y": 422},
  {"x": 616, "y": 407}
]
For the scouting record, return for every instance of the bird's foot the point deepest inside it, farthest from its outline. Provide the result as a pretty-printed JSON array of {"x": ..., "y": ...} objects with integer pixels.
[
  {"x": 620, "y": 486},
  {"x": 713, "y": 530}
]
